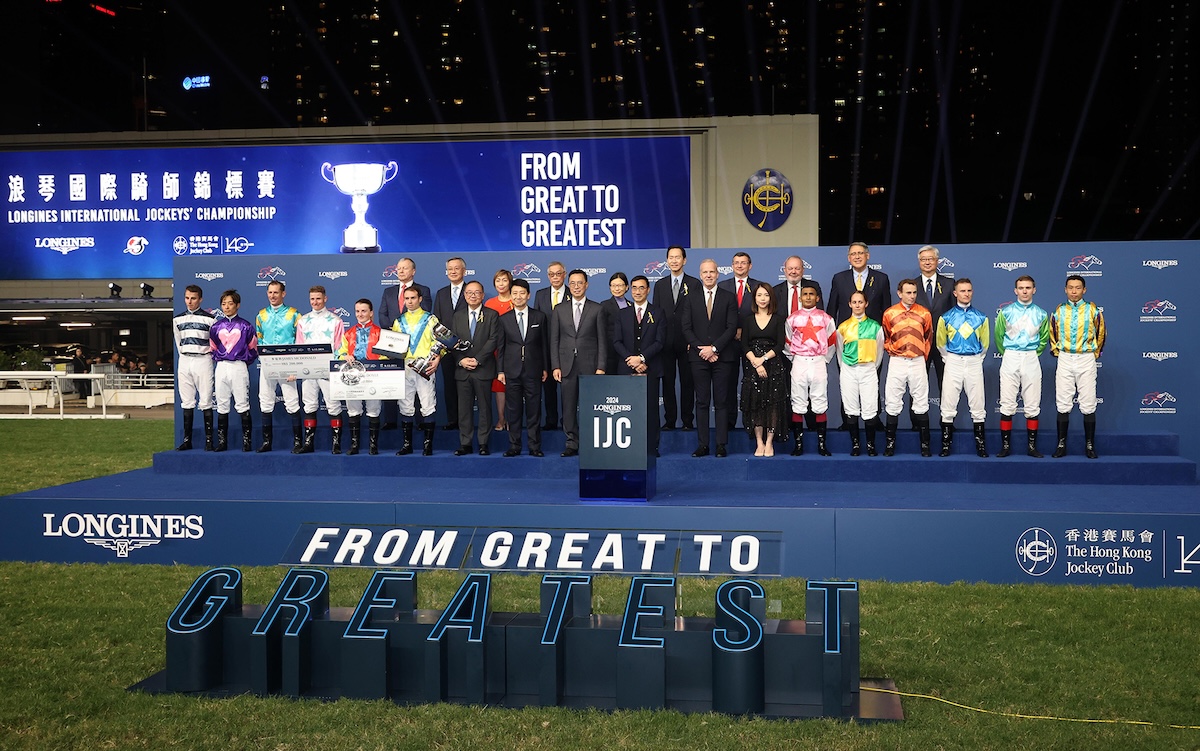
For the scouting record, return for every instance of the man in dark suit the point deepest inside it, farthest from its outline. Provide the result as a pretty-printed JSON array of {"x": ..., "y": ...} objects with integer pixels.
[
  {"x": 447, "y": 303},
  {"x": 670, "y": 293},
  {"x": 546, "y": 300},
  {"x": 391, "y": 304},
  {"x": 941, "y": 300},
  {"x": 475, "y": 367},
  {"x": 874, "y": 284},
  {"x": 709, "y": 323},
  {"x": 578, "y": 347},
  {"x": 639, "y": 333},
  {"x": 787, "y": 292},
  {"x": 742, "y": 286},
  {"x": 523, "y": 356}
]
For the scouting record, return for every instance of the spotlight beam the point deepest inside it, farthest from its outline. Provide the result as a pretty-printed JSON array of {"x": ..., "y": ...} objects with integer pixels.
[
  {"x": 1047, "y": 45},
  {"x": 1082, "y": 120},
  {"x": 898, "y": 149}
]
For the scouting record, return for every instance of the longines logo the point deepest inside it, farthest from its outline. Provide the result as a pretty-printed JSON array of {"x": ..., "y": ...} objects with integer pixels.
[
  {"x": 332, "y": 274},
  {"x": 1160, "y": 356},
  {"x": 124, "y": 533},
  {"x": 1160, "y": 264},
  {"x": 208, "y": 276},
  {"x": 1010, "y": 265},
  {"x": 64, "y": 245},
  {"x": 1158, "y": 311},
  {"x": 593, "y": 272}
]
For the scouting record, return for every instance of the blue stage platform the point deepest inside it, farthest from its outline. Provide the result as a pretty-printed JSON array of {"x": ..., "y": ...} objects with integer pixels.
[{"x": 1132, "y": 516}]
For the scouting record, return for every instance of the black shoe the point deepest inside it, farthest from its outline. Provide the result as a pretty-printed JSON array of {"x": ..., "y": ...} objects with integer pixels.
[
  {"x": 485, "y": 451},
  {"x": 721, "y": 453},
  {"x": 464, "y": 450},
  {"x": 550, "y": 426},
  {"x": 449, "y": 427},
  {"x": 701, "y": 451},
  {"x": 185, "y": 446},
  {"x": 657, "y": 455},
  {"x": 570, "y": 452},
  {"x": 668, "y": 426},
  {"x": 688, "y": 427},
  {"x": 512, "y": 452},
  {"x": 536, "y": 452}
]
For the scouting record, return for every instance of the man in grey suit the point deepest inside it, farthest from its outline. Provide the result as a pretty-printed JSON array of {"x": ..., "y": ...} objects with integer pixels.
[
  {"x": 578, "y": 346},
  {"x": 475, "y": 367},
  {"x": 546, "y": 300},
  {"x": 446, "y": 303}
]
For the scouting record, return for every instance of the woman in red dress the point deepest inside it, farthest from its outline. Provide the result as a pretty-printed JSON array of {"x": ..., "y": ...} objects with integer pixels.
[{"x": 501, "y": 303}]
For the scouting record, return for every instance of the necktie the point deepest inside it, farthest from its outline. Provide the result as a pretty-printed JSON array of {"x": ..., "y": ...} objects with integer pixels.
[
  {"x": 795, "y": 298},
  {"x": 708, "y": 303},
  {"x": 403, "y": 286},
  {"x": 858, "y": 282},
  {"x": 521, "y": 323},
  {"x": 741, "y": 291},
  {"x": 929, "y": 291},
  {"x": 639, "y": 315},
  {"x": 554, "y": 295},
  {"x": 454, "y": 298},
  {"x": 473, "y": 320},
  {"x": 578, "y": 313},
  {"x": 675, "y": 290}
]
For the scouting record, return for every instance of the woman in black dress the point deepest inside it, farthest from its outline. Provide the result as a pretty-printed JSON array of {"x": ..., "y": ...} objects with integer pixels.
[
  {"x": 765, "y": 405},
  {"x": 618, "y": 283}
]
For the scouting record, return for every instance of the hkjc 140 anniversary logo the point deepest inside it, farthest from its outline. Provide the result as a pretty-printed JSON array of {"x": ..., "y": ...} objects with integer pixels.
[{"x": 767, "y": 199}]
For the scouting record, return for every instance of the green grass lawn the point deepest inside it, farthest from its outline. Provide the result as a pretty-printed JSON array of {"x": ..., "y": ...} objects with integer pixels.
[{"x": 73, "y": 637}]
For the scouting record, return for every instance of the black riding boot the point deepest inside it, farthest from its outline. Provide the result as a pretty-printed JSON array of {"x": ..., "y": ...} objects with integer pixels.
[
  {"x": 355, "y": 423},
  {"x": 208, "y": 430},
  {"x": 298, "y": 434},
  {"x": 855, "y": 447},
  {"x": 798, "y": 438},
  {"x": 428, "y": 428},
  {"x": 821, "y": 448},
  {"x": 247, "y": 426},
  {"x": 1064, "y": 421},
  {"x": 189, "y": 416},
  {"x": 268, "y": 433},
  {"x": 925, "y": 449},
  {"x": 1031, "y": 431},
  {"x": 406, "y": 433},
  {"x": 1005, "y": 436},
  {"x": 1089, "y": 436},
  {"x": 310, "y": 434},
  {"x": 873, "y": 425},
  {"x": 947, "y": 438},
  {"x": 335, "y": 430},
  {"x": 980, "y": 443},
  {"x": 889, "y": 436},
  {"x": 222, "y": 432},
  {"x": 372, "y": 435}
]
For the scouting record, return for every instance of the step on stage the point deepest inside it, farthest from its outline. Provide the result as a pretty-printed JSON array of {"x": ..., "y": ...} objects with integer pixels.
[{"x": 1132, "y": 516}]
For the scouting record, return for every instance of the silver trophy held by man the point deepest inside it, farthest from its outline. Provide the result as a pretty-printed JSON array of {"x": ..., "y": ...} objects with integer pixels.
[{"x": 444, "y": 340}]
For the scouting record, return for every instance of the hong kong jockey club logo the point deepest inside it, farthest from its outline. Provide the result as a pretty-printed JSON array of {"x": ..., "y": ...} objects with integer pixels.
[
  {"x": 1158, "y": 403},
  {"x": 271, "y": 273},
  {"x": 656, "y": 270},
  {"x": 1086, "y": 265},
  {"x": 135, "y": 245},
  {"x": 180, "y": 245},
  {"x": 1158, "y": 311},
  {"x": 767, "y": 199},
  {"x": 1036, "y": 551}
]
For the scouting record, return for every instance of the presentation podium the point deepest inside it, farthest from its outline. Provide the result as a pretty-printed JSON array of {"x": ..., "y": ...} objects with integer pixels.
[{"x": 616, "y": 458}]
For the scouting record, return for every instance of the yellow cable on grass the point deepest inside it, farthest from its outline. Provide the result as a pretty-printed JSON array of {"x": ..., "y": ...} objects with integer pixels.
[{"x": 1026, "y": 716}]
